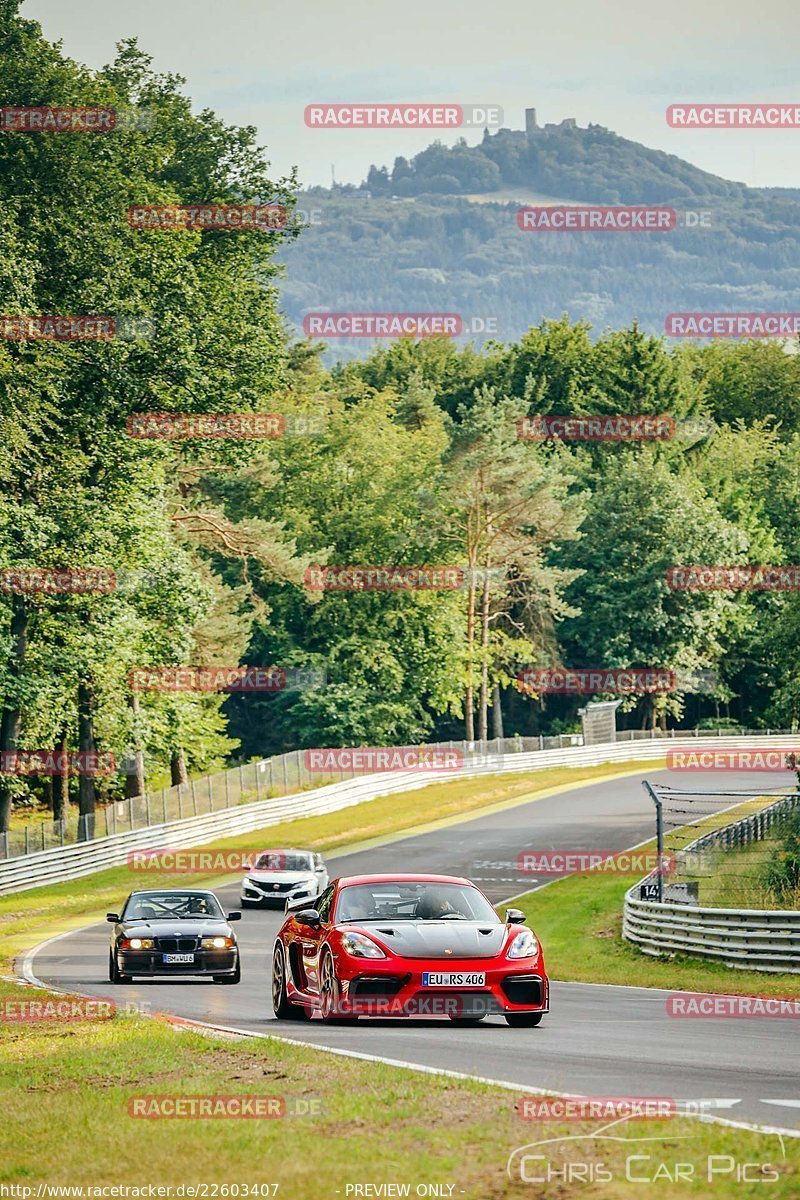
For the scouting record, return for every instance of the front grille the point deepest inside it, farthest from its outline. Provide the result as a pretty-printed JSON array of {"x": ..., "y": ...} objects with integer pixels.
[
  {"x": 524, "y": 989},
  {"x": 273, "y": 888},
  {"x": 388, "y": 985},
  {"x": 184, "y": 945}
]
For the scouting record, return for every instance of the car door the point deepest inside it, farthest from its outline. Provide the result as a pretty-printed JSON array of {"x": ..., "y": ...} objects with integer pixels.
[{"x": 311, "y": 940}]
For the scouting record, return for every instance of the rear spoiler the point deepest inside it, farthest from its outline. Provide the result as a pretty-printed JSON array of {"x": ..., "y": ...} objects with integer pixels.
[{"x": 298, "y": 905}]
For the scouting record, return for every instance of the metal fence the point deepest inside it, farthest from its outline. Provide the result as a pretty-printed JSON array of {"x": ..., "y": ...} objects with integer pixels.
[
  {"x": 282, "y": 775},
  {"x": 72, "y": 861},
  {"x": 748, "y": 938}
]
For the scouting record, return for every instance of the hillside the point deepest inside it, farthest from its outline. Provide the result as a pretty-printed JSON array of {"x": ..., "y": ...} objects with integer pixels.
[{"x": 439, "y": 233}]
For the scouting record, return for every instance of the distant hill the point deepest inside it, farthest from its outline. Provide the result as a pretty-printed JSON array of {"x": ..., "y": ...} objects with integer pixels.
[
  {"x": 439, "y": 233},
  {"x": 589, "y": 165}
]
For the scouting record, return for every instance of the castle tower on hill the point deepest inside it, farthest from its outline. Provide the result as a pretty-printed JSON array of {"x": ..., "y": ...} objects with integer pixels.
[{"x": 532, "y": 127}]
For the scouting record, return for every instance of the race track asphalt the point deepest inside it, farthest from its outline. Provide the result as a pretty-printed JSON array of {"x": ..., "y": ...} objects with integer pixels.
[{"x": 597, "y": 1041}]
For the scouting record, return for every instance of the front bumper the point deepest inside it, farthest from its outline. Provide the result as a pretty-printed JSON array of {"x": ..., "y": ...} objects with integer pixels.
[
  {"x": 253, "y": 894},
  {"x": 151, "y": 962},
  {"x": 395, "y": 987}
]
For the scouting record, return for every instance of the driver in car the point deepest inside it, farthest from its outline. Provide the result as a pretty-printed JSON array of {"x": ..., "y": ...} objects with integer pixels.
[
  {"x": 198, "y": 905},
  {"x": 433, "y": 905}
]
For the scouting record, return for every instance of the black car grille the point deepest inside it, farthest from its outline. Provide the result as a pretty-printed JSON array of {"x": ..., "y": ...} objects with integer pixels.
[
  {"x": 275, "y": 888},
  {"x": 388, "y": 985},
  {"x": 184, "y": 945},
  {"x": 524, "y": 989}
]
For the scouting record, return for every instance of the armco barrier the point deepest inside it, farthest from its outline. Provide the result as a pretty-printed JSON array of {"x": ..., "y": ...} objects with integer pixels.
[
  {"x": 83, "y": 858},
  {"x": 750, "y": 939}
]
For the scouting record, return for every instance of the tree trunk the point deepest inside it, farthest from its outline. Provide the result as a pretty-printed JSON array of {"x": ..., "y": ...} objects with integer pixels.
[
  {"x": 134, "y": 765},
  {"x": 87, "y": 793},
  {"x": 483, "y": 715},
  {"x": 11, "y": 719},
  {"x": 469, "y": 702},
  {"x": 47, "y": 791},
  {"x": 61, "y": 796},
  {"x": 177, "y": 766},
  {"x": 497, "y": 713}
]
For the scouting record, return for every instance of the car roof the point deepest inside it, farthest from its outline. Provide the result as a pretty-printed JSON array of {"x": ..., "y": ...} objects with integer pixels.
[
  {"x": 402, "y": 877},
  {"x": 285, "y": 850},
  {"x": 173, "y": 891}
]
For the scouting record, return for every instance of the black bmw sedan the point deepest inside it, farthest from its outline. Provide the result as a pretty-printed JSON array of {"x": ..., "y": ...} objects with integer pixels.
[{"x": 173, "y": 932}]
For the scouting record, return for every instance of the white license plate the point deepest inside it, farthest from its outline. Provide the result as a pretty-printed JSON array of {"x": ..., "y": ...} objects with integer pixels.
[
  {"x": 453, "y": 979},
  {"x": 176, "y": 958}
]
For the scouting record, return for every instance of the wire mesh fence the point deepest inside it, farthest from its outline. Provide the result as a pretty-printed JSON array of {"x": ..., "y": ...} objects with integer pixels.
[
  {"x": 732, "y": 849},
  {"x": 280, "y": 775}
]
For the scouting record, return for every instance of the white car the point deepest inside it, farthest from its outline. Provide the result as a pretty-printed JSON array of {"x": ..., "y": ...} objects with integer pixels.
[{"x": 278, "y": 876}]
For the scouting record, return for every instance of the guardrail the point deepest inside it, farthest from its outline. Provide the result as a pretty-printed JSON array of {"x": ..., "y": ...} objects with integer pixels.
[
  {"x": 281, "y": 775},
  {"x": 749, "y": 939},
  {"x": 84, "y": 858}
]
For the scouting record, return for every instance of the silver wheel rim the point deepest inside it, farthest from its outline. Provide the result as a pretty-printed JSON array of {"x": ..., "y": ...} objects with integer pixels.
[
  {"x": 327, "y": 987},
  {"x": 277, "y": 980}
]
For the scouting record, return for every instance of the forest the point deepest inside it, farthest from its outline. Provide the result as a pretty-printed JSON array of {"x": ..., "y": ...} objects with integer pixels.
[{"x": 203, "y": 552}]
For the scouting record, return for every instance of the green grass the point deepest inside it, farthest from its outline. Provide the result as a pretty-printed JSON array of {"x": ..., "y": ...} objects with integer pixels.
[
  {"x": 579, "y": 922},
  {"x": 65, "y": 1091}
]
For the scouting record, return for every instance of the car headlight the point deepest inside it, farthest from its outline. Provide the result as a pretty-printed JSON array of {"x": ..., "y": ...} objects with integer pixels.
[
  {"x": 137, "y": 944},
  {"x": 361, "y": 946},
  {"x": 524, "y": 945},
  {"x": 217, "y": 943}
]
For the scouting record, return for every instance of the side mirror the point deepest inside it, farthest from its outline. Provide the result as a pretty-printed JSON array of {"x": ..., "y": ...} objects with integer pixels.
[
  {"x": 308, "y": 916},
  {"x": 112, "y": 917},
  {"x": 234, "y": 916},
  {"x": 515, "y": 916}
]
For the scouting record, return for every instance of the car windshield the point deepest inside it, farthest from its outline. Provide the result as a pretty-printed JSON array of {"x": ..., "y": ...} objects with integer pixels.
[
  {"x": 171, "y": 906},
  {"x": 412, "y": 901},
  {"x": 281, "y": 860}
]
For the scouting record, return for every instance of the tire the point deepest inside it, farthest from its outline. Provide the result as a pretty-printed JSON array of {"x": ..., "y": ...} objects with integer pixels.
[
  {"x": 114, "y": 974},
  {"x": 234, "y": 978},
  {"x": 524, "y": 1020},
  {"x": 284, "y": 1009},
  {"x": 330, "y": 996}
]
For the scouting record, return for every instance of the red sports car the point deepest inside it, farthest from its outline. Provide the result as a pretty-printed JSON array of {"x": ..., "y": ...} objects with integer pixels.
[{"x": 407, "y": 945}]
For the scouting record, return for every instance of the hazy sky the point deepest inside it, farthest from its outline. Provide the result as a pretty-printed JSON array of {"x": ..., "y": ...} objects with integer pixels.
[{"x": 260, "y": 62}]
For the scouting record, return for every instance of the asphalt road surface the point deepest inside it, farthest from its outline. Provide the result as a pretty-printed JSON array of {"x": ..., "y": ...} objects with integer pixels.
[{"x": 597, "y": 1040}]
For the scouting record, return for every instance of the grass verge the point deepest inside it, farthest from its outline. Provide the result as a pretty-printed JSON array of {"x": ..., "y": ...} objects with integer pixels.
[
  {"x": 579, "y": 921},
  {"x": 66, "y": 1092}
]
